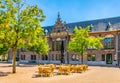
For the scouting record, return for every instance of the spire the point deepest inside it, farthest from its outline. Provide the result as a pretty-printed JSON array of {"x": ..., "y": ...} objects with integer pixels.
[
  {"x": 58, "y": 14},
  {"x": 59, "y": 19}
]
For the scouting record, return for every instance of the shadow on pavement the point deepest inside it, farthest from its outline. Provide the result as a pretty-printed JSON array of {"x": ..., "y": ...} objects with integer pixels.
[{"x": 4, "y": 73}]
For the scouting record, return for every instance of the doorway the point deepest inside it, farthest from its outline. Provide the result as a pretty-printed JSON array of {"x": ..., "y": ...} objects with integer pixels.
[{"x": 109, "y": 59}]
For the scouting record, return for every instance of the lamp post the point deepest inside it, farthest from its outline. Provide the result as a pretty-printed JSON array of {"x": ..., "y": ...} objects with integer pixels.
[{"x": 62, "y": 52}]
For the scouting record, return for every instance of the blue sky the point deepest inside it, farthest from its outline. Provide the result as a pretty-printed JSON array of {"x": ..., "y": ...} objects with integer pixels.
[{"x": 77, "y": 10}]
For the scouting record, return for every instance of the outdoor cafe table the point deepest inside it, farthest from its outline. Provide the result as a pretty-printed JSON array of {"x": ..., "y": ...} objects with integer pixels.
[
  {"x": 47, "y": 70},
  {"x": 65, "y": 69}
]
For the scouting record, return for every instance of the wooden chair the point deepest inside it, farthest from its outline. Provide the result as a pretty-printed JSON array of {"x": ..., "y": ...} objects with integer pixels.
[
  {"x": 40, "y": 70},
  {"x": 79, "y": 69},
  {"x": 48, "y": 71},
  {"x": 63, "y": 69},
  {"x": 60, "y": 71},
  {"x": 73, "y": 68}
]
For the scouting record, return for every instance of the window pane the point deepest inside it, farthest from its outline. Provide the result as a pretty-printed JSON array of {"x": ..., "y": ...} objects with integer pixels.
[
  {"x": 89, "y": 57},
  {"x": 109, "y": 43},
  {"x": 58, "y": 45},
  {"x": 75, "y": 57},
  {"x": 103, "y": 57},
  {"x": 93, "y": 57}
]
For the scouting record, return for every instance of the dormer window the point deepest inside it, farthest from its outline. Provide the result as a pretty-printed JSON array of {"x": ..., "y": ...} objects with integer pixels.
[
  {"x": 91, "y": 26},
  {"x": 108, "y": 26},
  {"x": 90, "y": 29},
  {"x": 46, "y": 32}
]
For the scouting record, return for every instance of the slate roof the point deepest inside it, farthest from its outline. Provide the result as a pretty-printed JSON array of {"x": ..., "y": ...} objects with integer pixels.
[{"x": 71, "y": 26}]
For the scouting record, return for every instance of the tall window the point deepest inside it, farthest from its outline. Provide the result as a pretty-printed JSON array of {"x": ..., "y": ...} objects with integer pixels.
[
  {"x": 33, "y": 57},
  {"x": 58, "y": 57},
  {"x": 44, "y": 57},
  {"x": 89, "y": 57},
  {"x": 58, "y": 30},
  {"x": 103, "y": 57},
  {"x": 53, "y": 57},
  {"x": 53, "y": 45},
  {"x": 109, "y": 43},
  {"x": 22, "y": 57},
  {"x": 58, "y": 45}
]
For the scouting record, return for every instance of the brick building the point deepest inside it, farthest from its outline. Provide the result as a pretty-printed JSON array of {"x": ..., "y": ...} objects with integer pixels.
[{"x": 60, "y": 33}]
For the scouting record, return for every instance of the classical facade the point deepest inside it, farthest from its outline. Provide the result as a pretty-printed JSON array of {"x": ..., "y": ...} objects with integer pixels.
[{"x": 60, "y": 34}]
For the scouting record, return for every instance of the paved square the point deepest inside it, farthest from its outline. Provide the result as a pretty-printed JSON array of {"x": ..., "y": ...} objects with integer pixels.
[{"x": 28, "y": 74}]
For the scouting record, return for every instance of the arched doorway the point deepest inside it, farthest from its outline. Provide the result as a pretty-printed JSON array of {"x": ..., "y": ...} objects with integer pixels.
[{"x": 109, "y": 59}]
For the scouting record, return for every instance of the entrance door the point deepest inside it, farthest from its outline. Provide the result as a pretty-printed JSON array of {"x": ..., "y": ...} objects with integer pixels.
[{"x": 109, "y": 59}]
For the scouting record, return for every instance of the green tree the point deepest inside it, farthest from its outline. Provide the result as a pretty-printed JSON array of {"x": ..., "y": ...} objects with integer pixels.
[
  {"x": 40, "y": 47},
  {"x": 3, "y": 49},
  {"x": 19, "y": 24},
  {"x": 82, "y": 41}
]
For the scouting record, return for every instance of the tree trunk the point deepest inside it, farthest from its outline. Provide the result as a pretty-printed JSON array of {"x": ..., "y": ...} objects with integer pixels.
[
  {"x": 3, "y": 57},
  {"x": 82, "y": 58},
  {"x": 38, "y": 60},
  {"x": 14, "y": 60}
]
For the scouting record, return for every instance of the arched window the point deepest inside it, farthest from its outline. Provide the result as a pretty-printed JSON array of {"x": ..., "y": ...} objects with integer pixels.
[
  {"x": 109, "y": 42},
  {"x": 75, "y": 57}
]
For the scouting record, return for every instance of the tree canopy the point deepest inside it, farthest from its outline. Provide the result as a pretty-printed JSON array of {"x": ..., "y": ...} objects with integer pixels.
[
  {"x": 19, "y": 24},
  {"x": 82, "y": 41},
  {"x": 3, "y": 48},
  {"x": 40, "y": 47}
]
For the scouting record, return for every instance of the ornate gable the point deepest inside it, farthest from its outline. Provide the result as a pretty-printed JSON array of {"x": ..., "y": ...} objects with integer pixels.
[{"x": 59, "y": 28}]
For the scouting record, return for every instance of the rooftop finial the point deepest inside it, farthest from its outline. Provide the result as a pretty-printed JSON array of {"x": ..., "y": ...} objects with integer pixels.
[{"x": 58, "y": 14}]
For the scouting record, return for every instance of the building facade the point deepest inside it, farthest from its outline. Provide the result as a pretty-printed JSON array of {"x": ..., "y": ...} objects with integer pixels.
[{"x": 60, "y": 34}]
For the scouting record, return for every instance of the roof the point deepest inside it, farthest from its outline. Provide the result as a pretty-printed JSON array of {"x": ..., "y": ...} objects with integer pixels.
[{"x": 71, "y": 26}]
